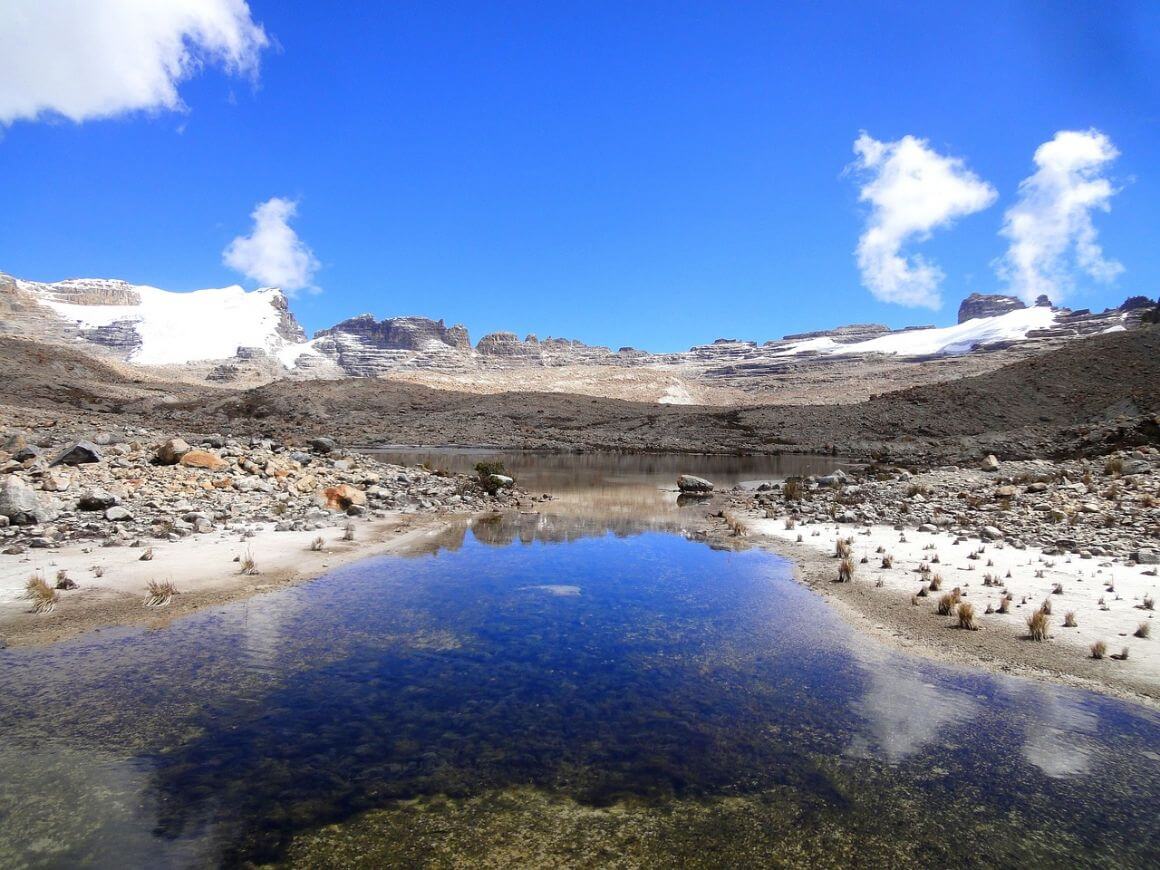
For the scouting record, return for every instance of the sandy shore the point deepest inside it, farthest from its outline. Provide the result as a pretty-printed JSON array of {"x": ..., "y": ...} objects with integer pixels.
[
  {"x": 202, "y": 568},
  {"x": 1002, "y": 642}
]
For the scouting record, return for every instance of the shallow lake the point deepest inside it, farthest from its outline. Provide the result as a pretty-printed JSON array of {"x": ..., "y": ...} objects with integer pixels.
[{"x": 514, "y": 697}]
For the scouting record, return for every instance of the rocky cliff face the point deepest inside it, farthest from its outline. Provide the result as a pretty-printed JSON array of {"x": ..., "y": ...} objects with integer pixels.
[{"x": 987, "y": 305}]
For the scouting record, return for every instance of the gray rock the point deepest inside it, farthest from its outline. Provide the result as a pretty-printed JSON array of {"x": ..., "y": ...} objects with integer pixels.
[
  {"x": 1147, "y": 556},
  {"x": 96, "y": 500},
  {"x": 78, "y": 453},
  {"x": 323, "y": 445},
  {"x": 991, "y": 463},
  {"x": 23, "y": 505},
  {"x": 689, "y": 483},
  {"x": 170, "y": 452},
  {"x": 118, "y": 514},
  {"x": 27, "y": 452}
]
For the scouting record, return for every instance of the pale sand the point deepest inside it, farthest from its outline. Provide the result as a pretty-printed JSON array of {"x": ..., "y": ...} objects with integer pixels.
[
  {"x": 201, "y": 567},
  {"x": 1001, "y": 640}
]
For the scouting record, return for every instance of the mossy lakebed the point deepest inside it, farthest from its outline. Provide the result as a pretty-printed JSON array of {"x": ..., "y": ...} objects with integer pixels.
[{"x": 679, "y": 704}]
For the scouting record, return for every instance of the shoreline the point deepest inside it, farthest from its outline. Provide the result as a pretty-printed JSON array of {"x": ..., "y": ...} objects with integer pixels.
[
  {"x": 1000, "y": 646},
  {"x": 202, "y": 568}
]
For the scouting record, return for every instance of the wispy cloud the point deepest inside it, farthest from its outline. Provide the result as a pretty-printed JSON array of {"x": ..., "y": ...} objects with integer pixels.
[
  {"x": 272, "y": 254},
  {"x": 912, "y": 190},
  {"x": 87, "y": 59},
  {"x": 1050, "y": 226}
]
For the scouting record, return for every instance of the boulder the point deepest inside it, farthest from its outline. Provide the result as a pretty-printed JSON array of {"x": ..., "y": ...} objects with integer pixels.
[
  {"x": 501, "y": 481},
  {"x": 1147, "y": 557},
  {"x": 23, "y": 505},
  {"x": 990, "y": 463},
  {"x": 171, "y": 451},
  {"x": 55, "y": 481},
  {"x": 27, "y": 452},
  {"x": 323, "y": 445},
  {"x": 204, "y": 459},
  {"x": 836, "y": 478},
  {"x": 341, "y": 497},
  {"x": 78, "y": 453},
  {"x": 96, "y": 500},
  {"x": 689, "y": 483},
  {"x": 118, "y": 514}
]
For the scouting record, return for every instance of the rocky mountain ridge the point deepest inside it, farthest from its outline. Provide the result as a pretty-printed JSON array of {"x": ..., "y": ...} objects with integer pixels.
[{"x": 232, "y": 335}]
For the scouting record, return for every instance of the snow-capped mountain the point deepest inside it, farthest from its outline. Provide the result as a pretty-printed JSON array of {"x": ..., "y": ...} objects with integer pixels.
[
  {"x": 229, "y": 333},
  {"x": 149, "y": 326}
]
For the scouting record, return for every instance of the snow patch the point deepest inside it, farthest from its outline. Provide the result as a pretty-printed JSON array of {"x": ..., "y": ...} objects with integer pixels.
[
  {"x": 943, "y": 341},
  {"x": 184, "y": 327},
  {"x": 676, "y": 394}
]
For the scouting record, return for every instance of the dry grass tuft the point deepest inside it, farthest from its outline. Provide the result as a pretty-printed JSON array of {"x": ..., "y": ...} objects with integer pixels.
[
  {"x": 317, "y": 544},
  {"x": 1005, "y": 604},
  {"x": 936, "y": 583},
  {"x": 790, "y": 524},
  {"x": 160, "y": 593},
  {"x": 98, "y": 570},
  {"x": 1143, "y": 630},
  {"x": 736, "y": 526},
  {"x": 793, "y": 490},
  {"x": 1069, "y": 619},
  {"x": 1057, "y": 589},
  {"x": 1037, "y": 624},
  {"x": 1099, "y": 649},
  {"x": 42, "y": 596},
  {"x": 1046, "y": 606},
  {"x": 846, "y": 570},
  {"x": 887, "y": 561},
  {"x": 947, "y": 602},
  {"x": 842, "y": 548},
  {"x": 248, "y": 565},
  {"x": 966, "y": 614},
  {"x": 348, "y": 532},
  {"x": 63, "y": 581},
  {"x": 1149, "y": 603},
  {"x": 1113, "y": 465},
  {"x": 147, "y": 556}
]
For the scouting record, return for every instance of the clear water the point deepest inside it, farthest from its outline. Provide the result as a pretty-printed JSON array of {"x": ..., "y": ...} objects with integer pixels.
[{"x": 627, "y": 700}]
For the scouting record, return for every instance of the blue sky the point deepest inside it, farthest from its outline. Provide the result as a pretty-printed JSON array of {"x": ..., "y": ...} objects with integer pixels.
[{"x": 646, "y": 174}]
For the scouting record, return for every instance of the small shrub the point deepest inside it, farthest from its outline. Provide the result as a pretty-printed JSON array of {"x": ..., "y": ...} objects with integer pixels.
[
  {"x": 348, "y": 532},
  {"x": 1069, "y": 619},
  {"x": 1099, "y": 649},
  {"x": 842, "y": 548},
  {"x": 248, "y": 565},
  {"x": 1143, "y": 630},
  {"x": 947, "y": 603},
  {"x": 936, "y": 583},
  {"x": 159, "y": 593},
  {"x": 1113, "y": 465},
  {"x": 1037, "y": 624},
  {"x": 846, "y": 570},
  {"x": 483, "y": 476},
  {"x": 888, "y": 561},
  {"x": 42, "y": 596},
  {"x": 793, "y": 490},
  {"x": 317, "y": 544},
  {"x": 966, "y": 614}
]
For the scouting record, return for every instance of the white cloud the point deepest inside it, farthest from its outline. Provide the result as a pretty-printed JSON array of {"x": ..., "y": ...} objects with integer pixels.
[
  {"x": 1050, "y": 226},
  {"x": 912, "y": 190},
  {"x": 272, "y": 254},
  {"x": 86, "y": 59}
]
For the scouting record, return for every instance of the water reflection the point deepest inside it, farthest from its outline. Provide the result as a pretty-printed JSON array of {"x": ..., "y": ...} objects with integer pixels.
[{"x": 635, "y": 672}]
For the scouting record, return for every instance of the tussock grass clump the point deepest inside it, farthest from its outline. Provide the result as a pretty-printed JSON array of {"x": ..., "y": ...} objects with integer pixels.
[
  {"x": 1113, "y": 465},
  {"x": 1005, "y": 604},
  {"x": 790, "y": 524},
  {"x": 947, "y": 602},
  {"x": 734, "y": 523},
  {"x": 1123, "y": 656},
  {"x": 63, "y": 581},
  {"x": 159, "y": 593},
  {"x": 348, "y": 532},
  {"x": 922, "y": 592},
  {"x": 793, "y": 489},
  {"x": 1099, "y": 649},
  {"x": 98, "y": 570},
  {"x": 147, "y": 556},
  {"x": 936, "y": 583},
  {"x": 42, "y": 596},
  {"x": 842, "y": 548},
  {"x": 1037, "y": 624},
  {"x": 966, "y": 614},
  {"x": 1057, "y": 589},
  {"x": 846, "y": 570},
  {"x": 1143, "y": 630},
  {"x": 1069, "y": 619},
  {"x": 1149, "y": 603},
  {"x": 888, "y": 561},
  {"x": 317, "y": 544},
  {"x": 914, "y": 600},
  {"x": 249, "y": 566},
  {"x": 1046, "y": 606}
]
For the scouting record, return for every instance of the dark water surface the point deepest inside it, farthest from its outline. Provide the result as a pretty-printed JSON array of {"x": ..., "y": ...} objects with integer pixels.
[{"x": 624, "y": 700}]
